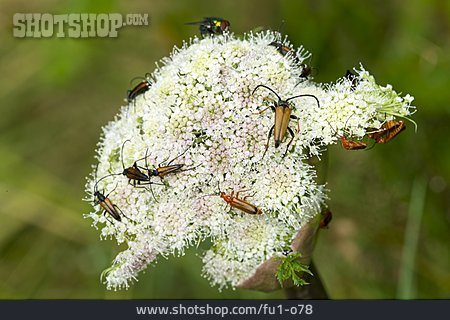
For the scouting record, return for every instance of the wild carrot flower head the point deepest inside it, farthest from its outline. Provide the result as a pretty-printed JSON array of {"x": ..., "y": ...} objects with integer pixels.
[{"x": 200, "y": 111}]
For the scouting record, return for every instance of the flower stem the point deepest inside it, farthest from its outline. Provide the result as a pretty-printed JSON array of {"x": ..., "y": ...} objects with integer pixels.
[{"x": 315, "y": 289}]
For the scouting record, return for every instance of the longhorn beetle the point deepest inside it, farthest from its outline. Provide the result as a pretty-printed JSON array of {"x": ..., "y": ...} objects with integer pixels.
[
  {"x": 388, "y": 131},
  {"x": 326, "y": 218},
  {"x": 285, "y": 50},
  {"x": 348, "y": 144},
  {"x": 104, "y": 201},
  {"x": 134, "y": 174},
  {"x": 352, "y": 144},
  {"x": 141, "y": 87},
  {"x": 162, "y": 171},
  {"x": 282, "y": 118},
  {"x": 235, "y": 202}
]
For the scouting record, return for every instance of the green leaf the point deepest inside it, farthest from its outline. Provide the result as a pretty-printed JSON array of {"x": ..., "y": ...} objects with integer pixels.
[{"x": 291, "y": 268}]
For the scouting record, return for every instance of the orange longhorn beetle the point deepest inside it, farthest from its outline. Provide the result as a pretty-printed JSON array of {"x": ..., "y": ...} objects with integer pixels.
[
  {"x": 240, "y": 204},
  {"x": 282, "y": 117},
  {"x": 388, "y": 131},
  {"x": 235, "y": 202},
  {"x": 348, "y": 144}
]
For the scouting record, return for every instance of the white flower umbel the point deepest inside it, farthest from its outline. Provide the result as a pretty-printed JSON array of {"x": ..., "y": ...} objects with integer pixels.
[{"x": 200, "y": 110}]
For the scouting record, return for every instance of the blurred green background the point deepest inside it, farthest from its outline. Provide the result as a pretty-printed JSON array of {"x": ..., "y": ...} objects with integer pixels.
[{"x": 390, "y": 234}]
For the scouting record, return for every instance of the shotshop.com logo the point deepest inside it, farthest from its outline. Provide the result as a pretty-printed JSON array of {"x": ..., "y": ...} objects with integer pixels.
[{"x": 73, "y": 25}]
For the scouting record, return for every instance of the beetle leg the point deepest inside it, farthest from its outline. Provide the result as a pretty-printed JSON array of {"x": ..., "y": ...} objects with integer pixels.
[
  {"x": 298, "y": 122},
  {"x": 142, "y": 168},
  {"x": 135, "y": 165},
  {"x": 121, "y": 212},
  {"x": 271, "y": 106},
  {"x": 146, "y": 157},
  {"x": 268, "y": 140},
  {"x": 174, "y": 158},
  {"x": 188, "y": 169},
  {"x": 262, "y": 111},
  {"x": 249, "y": 196},
  {"x": 292, "y": 139},
  {"x": 242, "y": 191},
  {"x": 111, "y": 191},
  {"x": 178, "y": 156},
  {"x": 106, "y": 217},
  {"x": 159, "y": 165},
  {"x": 151, "y": 190},
  {"x": 268, "y": 99},
  {"x": 302, "y": 80},
  {"x": 373, "y": 145}
]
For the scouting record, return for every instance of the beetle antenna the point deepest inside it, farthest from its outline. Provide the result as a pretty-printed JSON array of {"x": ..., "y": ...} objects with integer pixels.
[
  {"x": 137, "y": 78},
  {"x": 335, "y": 132},
  {"x": 212, "y": 194},
  {"x": 112, "y": 191},
  {"x": 145, "y": 157},
  {"x": 121, "y": 152},
  {"x": 109, "y": 175},
  {"x": 208, "y": 195},
  {"x": 346, "y": 122},
  {"x": 261, "y": 85},
  {"x": 281, "y": 27},
  {"x": 179, "y": 155},
  {"x": 345, "y": 125},
  {"x": 305, "y": 95},
  {"x": 146, "y": 77}
]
